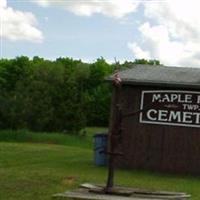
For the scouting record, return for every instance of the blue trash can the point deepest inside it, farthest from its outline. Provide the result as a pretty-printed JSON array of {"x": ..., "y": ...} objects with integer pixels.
[{"x": 100, "y": 147}]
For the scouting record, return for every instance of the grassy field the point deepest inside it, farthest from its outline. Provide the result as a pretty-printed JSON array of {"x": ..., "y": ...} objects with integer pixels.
[
  {"x": 51, "y": 138},
  {"x": 36, "y": 171}
]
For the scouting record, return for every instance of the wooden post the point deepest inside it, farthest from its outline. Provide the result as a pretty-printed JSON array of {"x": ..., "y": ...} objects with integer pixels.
[{"x": 115, "y": 131}]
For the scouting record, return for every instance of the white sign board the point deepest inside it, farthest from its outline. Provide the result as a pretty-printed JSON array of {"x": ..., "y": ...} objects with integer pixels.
[{"x": 170, "y": 107}]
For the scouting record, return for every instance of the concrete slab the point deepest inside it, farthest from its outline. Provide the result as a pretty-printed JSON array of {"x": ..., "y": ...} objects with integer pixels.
[
  {"x": 91, "y": 196},
  {"x": 84, "y": 194}
]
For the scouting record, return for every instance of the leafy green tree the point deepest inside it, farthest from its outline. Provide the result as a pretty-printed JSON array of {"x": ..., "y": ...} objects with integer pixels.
[{"x": 62, "y": 95}]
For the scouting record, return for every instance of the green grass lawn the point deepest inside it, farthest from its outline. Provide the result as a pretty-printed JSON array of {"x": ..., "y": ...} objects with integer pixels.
[
  {"x": 80, "y": 140},
  {"x": 37, "y": 171}
]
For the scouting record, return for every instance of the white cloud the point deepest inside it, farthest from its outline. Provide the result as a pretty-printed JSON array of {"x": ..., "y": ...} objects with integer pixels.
[
  {"x": 171, "y": 33},
  {"x": 3, "y": 3},
  {"x": 111, "y": 8},
  {"x": 138, "y": 51},
  {"x": 17, "y": 25}
]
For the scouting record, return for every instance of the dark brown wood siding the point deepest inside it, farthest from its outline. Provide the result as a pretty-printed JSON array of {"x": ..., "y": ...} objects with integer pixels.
[{"x": 156, "y": 147}]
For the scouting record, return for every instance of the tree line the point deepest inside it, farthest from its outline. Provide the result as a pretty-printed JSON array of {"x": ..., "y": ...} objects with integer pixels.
[{"x": 64, "y": 95}]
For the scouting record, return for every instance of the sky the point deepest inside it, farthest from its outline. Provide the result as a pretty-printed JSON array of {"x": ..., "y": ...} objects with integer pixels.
[{"x": 166, "y": 30}]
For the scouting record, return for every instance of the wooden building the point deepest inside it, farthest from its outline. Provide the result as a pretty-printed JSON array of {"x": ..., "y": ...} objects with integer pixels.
[{"x": 160, "y": 126}]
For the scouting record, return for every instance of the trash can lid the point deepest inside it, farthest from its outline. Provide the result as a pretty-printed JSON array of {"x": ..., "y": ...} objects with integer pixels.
[{"x": 101, "y": 135}]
